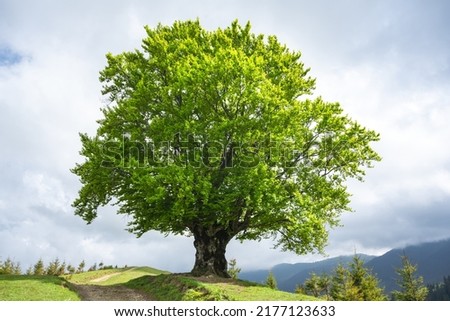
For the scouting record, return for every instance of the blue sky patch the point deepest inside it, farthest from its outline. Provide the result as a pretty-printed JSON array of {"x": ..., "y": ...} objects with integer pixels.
[{"x": 9, "y": 57}]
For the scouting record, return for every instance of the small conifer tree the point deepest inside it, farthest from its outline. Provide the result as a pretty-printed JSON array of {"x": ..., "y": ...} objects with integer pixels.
[
  {"x": 61, "y": 269},
  {"x": 412, "y": 287},
  {"x": 355, "y": 283},
  {"x": 10, "y": 267},
  {"x": 318, "y": 285},
  {"x": 39, "y": 268},
  {"x": 271, "y": 281},
  {"x": 233, "y": 270},
  {"x": 53, "y": 267},
  {"x": 81, "y": 266}
]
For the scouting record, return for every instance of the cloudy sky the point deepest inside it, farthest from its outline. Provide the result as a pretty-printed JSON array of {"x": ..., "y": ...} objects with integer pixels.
[{"x": 387, "y": 62}]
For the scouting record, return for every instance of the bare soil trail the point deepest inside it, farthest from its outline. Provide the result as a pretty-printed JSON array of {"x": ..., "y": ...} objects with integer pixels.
[
  {"x": 106, "y": 277},
  {"x": 91, "y": 292},
  {"x": 88, "y": 292}
]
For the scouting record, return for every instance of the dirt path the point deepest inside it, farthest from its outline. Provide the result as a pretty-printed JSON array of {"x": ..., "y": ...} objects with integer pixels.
[
  {"x": 106, "y": 277},
  {"x": 91, "y": 292},
  {"x": 108, "y": 293}
]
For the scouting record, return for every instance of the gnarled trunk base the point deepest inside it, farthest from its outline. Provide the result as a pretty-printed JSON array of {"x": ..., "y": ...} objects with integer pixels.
[{"x": 210, "y": 253}]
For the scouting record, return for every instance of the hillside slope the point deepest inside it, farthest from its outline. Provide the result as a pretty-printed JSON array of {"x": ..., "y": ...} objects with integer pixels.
[
  {"x": 183, "y": 287},
  {"x": 432, "y": 259},
  {"x": 144, "y": 283},
  {"x": 35, "y": 288},
  {"x": 289, "y": 276}
]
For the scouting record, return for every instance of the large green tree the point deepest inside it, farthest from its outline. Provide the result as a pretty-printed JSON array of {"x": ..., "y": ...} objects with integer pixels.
[{"x": 211, "y": 134}]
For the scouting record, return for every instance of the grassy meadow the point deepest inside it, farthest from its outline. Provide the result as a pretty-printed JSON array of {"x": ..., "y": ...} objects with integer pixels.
[
  {"x": 35, "y": 288},
  {"x": 157, "y": 284},
  {"x": 175, "y": 287}
]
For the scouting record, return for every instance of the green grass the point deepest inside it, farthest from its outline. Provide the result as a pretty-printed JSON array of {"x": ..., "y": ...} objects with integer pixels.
[
  {"x": 163, "y": 287},
  {"x": 87, "y": 277},
  {"x": 158, "y": 284},
  {"x": 130, "y": 274},
  {"x": 117, "y": 276},
  {"x": 174, "y": 287},
  {"x": 255, "y": 292},
  {"x": 34, "y": 288}
]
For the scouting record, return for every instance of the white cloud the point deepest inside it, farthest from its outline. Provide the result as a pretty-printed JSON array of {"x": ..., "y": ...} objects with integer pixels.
[{"x": 46, "y": 191}]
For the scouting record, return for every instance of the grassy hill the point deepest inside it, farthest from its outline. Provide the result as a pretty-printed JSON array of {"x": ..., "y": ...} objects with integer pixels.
[
  {"x": 153, "y": 283},
  {"x": 35, "y": 288},
  {"x": 112, "y": 276},
  {"x": 163, "y": 286},
  {"x": 182, "y": 287}
]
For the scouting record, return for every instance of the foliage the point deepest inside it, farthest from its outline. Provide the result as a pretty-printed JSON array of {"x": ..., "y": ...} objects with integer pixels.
[
  {"x": 341, "y": 287},
  {"x": 366, "y": 284},
  {"x": 208, "y": 133},
  {"x": 317, "y": 285},
  {"x": 355, "y": 283},
  {"x": 39, "y": 268},
  {"x": 439, "y": 291},
  {"x": 61, "y": 269},
  {"x": 34, "y": 288},
  {"x": 271, "y": 281},
  {"x": 71, "y": 269},
  {"x": 412, "y": 287},
  {"x": 53, "y": 267},
  {"x": 10, "y": 267},
  {"x": 93, "y": 267},
  {"x": 81, "y": 267},
  {"x": 56, "y": 268},
  {"x": 233, "y": 270}
]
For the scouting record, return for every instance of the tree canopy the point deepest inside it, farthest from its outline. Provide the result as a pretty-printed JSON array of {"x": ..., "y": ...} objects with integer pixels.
[{"x": 215, "y": 135}]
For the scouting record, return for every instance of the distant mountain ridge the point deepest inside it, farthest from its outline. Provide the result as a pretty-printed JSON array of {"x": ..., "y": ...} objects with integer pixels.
[
  {"x": 288, "y": 276},
  {"x": 433, "y": 260}
]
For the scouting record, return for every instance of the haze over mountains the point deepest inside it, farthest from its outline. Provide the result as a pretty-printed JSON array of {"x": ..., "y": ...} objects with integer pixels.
[{"x": 432, "y": 259}]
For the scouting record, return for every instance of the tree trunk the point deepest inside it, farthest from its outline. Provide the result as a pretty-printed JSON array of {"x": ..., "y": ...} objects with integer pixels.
[{"x": 210, "y": 248}]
